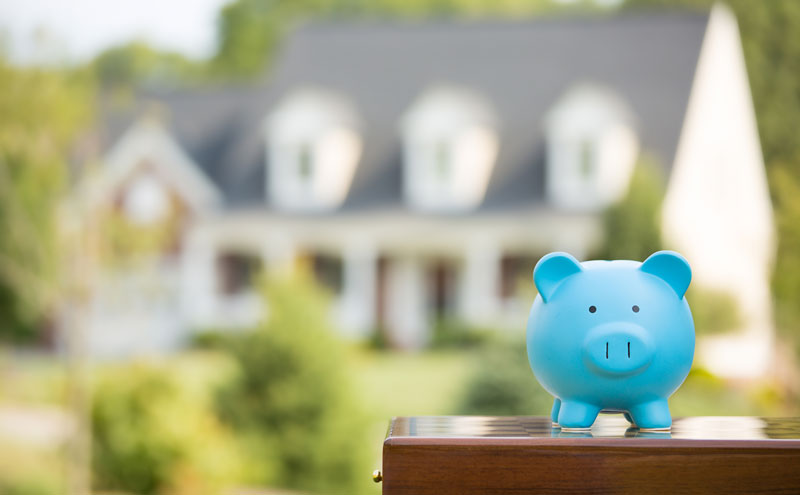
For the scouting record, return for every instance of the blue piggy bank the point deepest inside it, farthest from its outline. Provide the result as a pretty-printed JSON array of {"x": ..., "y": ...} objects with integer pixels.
[{"x": 611, "y": 336}]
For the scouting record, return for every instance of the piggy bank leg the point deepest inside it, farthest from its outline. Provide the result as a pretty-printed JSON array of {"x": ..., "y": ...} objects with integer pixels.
[
  {"x": 554, "y": 412},
  {"x": 573, "y": 414},
  {"x": 652, "y": 415}
]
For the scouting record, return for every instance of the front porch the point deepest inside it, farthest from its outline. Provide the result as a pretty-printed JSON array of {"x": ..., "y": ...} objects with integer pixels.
[{"x": 399, "y": 285}]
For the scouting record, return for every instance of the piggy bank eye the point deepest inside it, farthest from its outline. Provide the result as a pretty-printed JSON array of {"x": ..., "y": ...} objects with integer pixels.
[
  {"x": 635, "y": 308},
  {"x": 592, "y": 309}
]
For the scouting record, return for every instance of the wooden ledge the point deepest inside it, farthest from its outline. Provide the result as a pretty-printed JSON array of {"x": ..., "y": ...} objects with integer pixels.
[{"x": 480, "y": 455}]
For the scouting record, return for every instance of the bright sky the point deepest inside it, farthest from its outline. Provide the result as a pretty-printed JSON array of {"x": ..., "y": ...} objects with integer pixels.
[{"x": 75, "y": 30}]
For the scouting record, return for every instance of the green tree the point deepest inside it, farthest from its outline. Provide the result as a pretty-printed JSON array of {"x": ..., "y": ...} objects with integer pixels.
[
  {"x": 155, "y": 429},
  {"x": 786, "y": 279},
  {"x": 632, "y": 227},
  {"x": 292, "y": 399},
  {"x": 41, "y": 112},
  {"x": 137, "y": 64},
  {"x": 713, "y": 310},
  {"x": 503, "y": 383}
]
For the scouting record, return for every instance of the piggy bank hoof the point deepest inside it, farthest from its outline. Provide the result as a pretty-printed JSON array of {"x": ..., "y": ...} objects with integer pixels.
[
  {"x": 629, "y": 418},
  {"x": 656, "y": 430},
  {"x": 576, "y": 428}
]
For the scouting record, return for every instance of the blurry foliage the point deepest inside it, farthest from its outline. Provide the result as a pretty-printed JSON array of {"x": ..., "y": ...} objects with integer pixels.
[
  {"x": 771, "y": 41},
  {"x": 41, "y": 111},
  {"x": 125, "y": 241},
  {"x": 704, "y": 394},
  {"x": 31, "y": 379},
  {"x": 292, "y": 399},
  {"x": 137, "y": 64},
  {"x": 632, "y": 227},
  {"x": 278, "y": 410},
  {"x": 378, "y": 340},
  {"x": 154, "y": 429},
  {"x": 27, "y": 469},
  {"x": 713, "y": 310},
  {"x": 27, "y": 487},
  {"x": 451, "y": 333},
  {"x": 786, "y": 279},
  {"x": 503, "y": 384}
]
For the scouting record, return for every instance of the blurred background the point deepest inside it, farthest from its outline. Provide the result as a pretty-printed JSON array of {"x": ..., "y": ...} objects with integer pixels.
[{"x": 239, "y": 236}]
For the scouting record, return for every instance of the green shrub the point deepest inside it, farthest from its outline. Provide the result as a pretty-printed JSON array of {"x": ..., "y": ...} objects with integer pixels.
[
  {"x": 632, "y": 227},
  {"x": 713, "y": 310},
  {"x": 450, "y": 333},
  {"x": 155, "y": 432},
  {"x": 503, "y": 383},
  {"x": 292, "y": 398}
]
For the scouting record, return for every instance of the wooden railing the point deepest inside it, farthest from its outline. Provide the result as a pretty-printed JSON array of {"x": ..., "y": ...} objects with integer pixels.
[{"x": 465, "y": 455}]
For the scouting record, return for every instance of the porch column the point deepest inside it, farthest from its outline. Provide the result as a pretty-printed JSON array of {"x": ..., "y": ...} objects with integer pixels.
[
  {"x": 359, "y": 286},
  {"x": 480, "y": 287},
  {"x": 198, "y": 293},
  {"x": 406, "y": 316}
]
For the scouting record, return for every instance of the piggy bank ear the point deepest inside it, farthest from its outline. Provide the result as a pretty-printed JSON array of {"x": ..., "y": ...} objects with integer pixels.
[
  {"x": 670, "y": 267},
  {"x": 551, "y": 270}
]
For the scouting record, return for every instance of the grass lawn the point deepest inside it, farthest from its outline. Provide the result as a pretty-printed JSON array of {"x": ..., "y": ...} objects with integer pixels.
[
  {"x": 386, "y": 383},
  {"x": 407, "y": 384},
  {"x": 32, "y": 398},
  {"x": 410, "y": 384}
]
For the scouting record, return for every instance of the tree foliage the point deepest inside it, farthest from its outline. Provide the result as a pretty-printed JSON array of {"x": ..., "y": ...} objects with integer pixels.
[
  {"x": 786, "y": 279},
  {"x": 502, "y": 383},
  {"x": 41, "y": 113},
  {"x": 292, "y": 398},
  {"x": 632, "y": 227},
  {"x": 137, "y": 64},
  {"x": 713, "y": 310},
  {"x": 155, "y": 429}
]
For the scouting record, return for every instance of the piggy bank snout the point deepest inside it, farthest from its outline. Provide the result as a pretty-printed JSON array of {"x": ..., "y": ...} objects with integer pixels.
[{"x": 618, "y": 349}]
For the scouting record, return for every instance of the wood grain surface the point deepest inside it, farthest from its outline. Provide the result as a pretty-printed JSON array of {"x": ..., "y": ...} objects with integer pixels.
[{"x": 485, "y": 459}]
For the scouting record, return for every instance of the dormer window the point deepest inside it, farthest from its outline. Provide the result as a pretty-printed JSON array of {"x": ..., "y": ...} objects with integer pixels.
[
  {"x": 313, "y": 148},
  {"x": 442, "y": 167},
  {"x": 449, "y": 145},
  {"x": 591, "y": 149},
  {"x": 587, "y": 160},
  {"x": 305, "y": 163}
]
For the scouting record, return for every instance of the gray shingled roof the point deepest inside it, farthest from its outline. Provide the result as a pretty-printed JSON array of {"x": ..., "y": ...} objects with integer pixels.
[{"x": 521, "y": 68}]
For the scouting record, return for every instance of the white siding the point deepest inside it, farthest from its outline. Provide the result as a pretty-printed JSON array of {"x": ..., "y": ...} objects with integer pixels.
[{"x": 717, "y": 210}]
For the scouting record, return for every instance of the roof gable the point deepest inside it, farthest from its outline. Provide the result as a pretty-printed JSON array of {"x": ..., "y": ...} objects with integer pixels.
[{"x": 147, "y": 142}]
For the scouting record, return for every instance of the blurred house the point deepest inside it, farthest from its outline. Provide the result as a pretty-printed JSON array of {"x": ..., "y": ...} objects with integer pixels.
[{"x": 421, "y": 170}]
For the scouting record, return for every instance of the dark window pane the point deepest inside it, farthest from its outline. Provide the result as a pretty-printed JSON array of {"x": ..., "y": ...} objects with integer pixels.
[
  {"x": 515, "y": 270},
  {"x": 586, "y": 159},
  {"x": 236, "y": 272},
  {"x": 328, "y": 272},
  {"x": 305, "y": 163}
]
